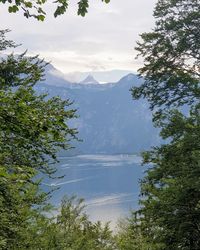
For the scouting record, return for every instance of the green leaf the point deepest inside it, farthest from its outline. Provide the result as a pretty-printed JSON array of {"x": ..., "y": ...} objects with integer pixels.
[
  {"x": 41, "y": 17},
  {"x": 28, "y": 4},
  {"x": 13, "y": 9}
]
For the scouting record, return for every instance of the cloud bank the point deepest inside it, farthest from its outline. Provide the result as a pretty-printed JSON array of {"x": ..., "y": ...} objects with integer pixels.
[{"x": 103, "y": 40}]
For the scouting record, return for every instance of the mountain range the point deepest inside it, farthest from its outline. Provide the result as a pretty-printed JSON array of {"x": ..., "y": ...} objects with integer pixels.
[{"x": 109, "y": 121}]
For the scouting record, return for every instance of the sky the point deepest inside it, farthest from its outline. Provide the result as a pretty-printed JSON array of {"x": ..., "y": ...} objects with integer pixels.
[{"x": 103, "y": 40}]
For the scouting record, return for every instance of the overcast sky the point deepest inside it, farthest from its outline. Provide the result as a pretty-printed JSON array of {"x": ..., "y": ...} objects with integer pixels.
[{"x": 103, "y": 40}]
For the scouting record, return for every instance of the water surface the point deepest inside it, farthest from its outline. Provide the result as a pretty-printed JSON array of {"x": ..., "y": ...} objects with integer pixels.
[{"x": 108, "y": 183}]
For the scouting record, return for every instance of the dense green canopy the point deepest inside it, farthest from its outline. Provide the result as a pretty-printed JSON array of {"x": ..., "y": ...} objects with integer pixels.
[{"x": 32, "y": 130}]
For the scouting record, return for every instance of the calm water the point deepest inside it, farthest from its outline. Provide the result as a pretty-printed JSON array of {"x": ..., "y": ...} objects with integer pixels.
[{"x": 108, "y": 183}]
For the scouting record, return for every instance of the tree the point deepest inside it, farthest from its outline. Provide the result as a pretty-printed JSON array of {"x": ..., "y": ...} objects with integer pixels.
[
  {"x": 171, "y": 54},
  {"x": 69, "y": 229},
  {"x": 170, "y": 211},
  {"x": 36, "y": 8},
  {"x": 75, "y": 231},
  {"x": 129, "y": 236},
  {"x": 170, "y": 192},
  {"x": 32, "y": 130}
]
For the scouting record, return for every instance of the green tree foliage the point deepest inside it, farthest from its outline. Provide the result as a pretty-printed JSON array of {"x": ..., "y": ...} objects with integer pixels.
[
  {"x": 32, "y": 130},
  {"x": 169, "y": 216},
  {"x": 69, "y": 229},
  {"x": 72, "y": 229},
  {"x": 129, "y": 235},
  {"x": 170, "y": 211},
  {"x": 36, "y": 9},
  {"x": 171, "y": 54}
]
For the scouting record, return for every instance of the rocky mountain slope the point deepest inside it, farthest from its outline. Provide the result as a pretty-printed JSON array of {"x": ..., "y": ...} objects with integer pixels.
[{"x": 109, "y": 120}]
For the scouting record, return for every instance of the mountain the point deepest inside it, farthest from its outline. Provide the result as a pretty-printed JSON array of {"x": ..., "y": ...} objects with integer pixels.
[
  {"x": 89, "y": 80},
  {"x": 109, "y": 120},
  {"x": 100, "y": 76},
  {"x": 54, "y": 77}
]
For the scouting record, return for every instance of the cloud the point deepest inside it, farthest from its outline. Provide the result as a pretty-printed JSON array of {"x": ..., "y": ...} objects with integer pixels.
[{"x": 74, "y": 43}]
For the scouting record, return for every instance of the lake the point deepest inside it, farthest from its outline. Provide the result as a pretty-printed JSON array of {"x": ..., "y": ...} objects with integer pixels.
[{"x": 108, "y": 183}]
